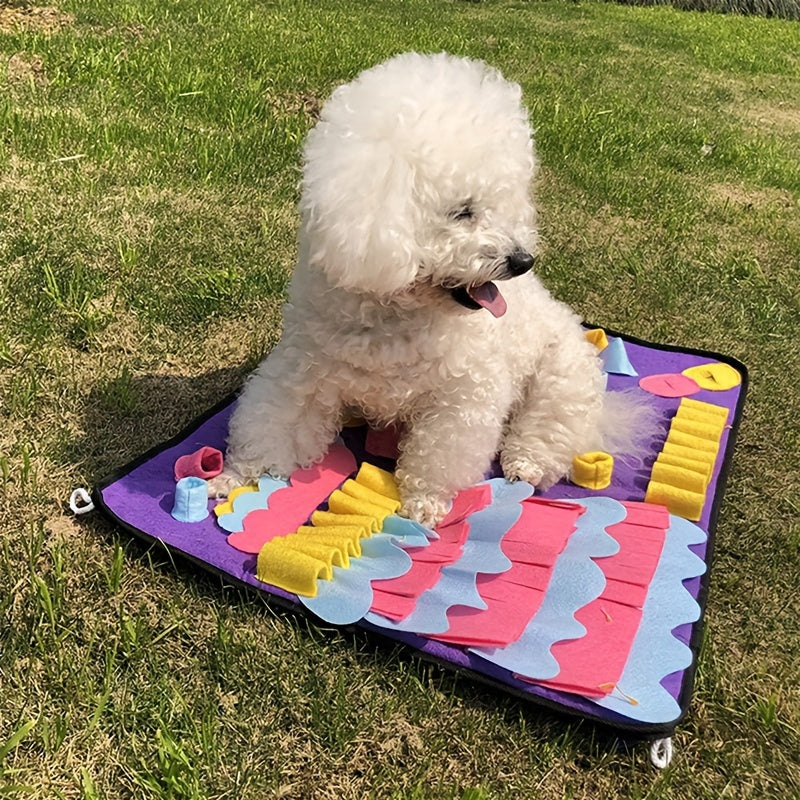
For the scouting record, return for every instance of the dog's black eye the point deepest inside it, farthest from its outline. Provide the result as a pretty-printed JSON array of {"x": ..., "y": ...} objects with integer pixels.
[{"x": 463, "y": 212}]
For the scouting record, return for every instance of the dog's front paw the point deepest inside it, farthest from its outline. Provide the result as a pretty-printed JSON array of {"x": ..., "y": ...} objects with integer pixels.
[
  {"x": 540, "y": 474},
  {"x": 224, "y": 483},
  {"x": 425, "y": 509}
]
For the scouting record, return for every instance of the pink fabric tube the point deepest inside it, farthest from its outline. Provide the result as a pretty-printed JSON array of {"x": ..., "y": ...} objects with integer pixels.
[{"x": 203, "y": 463}]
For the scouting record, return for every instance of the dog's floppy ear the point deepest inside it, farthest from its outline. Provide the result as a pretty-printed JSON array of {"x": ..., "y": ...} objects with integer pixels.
[{"x": 359, "y": 218}]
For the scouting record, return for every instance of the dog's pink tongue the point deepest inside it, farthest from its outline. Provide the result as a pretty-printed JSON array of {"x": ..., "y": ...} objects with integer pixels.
[{"x": 488, "y": 296}]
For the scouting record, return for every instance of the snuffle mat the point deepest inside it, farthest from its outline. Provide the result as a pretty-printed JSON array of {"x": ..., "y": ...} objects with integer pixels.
[{"x": 585, "y": 600}]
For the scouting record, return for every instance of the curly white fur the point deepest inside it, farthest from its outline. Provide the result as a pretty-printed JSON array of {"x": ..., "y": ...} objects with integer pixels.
[{"x": 415, "y": 198}]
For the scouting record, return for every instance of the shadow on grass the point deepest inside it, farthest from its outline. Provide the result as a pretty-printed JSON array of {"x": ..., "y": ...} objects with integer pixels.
[{"x": 124, "y": 417}]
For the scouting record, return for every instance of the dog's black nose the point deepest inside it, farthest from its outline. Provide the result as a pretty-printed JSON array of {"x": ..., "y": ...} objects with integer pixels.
[{"x": 519, "y": 262}]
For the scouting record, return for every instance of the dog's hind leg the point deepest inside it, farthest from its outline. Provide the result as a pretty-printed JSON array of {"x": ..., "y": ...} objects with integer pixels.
[
  {"x": 559, "y": 417},
  {"x": 286, "y": 418}
]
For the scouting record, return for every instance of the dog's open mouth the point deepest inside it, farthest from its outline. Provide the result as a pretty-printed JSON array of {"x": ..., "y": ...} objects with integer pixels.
[{"x": 484, "y": 295}]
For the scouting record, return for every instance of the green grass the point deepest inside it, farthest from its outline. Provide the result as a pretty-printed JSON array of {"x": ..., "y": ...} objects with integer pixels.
[{"x": 148, "y": 171}]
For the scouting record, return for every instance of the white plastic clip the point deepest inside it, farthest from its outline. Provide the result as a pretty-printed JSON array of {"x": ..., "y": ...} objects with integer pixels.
[
  {"x": 661, "y": 753},
  {"x": 86, "y": 504}
]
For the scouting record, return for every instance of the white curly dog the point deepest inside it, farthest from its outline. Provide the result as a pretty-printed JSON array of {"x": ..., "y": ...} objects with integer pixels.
[{"x": 413, "y": 300}]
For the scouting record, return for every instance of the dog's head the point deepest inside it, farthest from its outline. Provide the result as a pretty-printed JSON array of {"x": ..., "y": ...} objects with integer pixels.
[{"x": 416, "y": 183}]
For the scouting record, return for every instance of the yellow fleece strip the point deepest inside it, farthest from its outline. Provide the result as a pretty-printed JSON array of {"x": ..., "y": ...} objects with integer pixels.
[
  {"x": 703, "y": 430},
  {"x": 701, "y": 417},
  {"x": 363, "y": 493},
  {"x": 379, "y": 480},
  {"x": 679, "y": 477},
  {"x": 692, "y": 465},
  {"x": 680, "y": 502},
  {"x": 592, "y": 470},
  {"x": 296, "y": 562},
  {"x": 682, "y": 471},
  {"x": 693, "y": 442},
  {"x": 290, "y": 569},
  {"x": 341, "y": 503},
  {"x": 680, "y": 451},
  {"x": 325, "y": 519},
  {"x": 346, "y": 538},
  {"x": 690, "y": 404}
]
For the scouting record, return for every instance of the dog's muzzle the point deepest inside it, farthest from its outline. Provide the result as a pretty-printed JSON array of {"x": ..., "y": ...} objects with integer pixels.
[{"x": 487, "y": 295}]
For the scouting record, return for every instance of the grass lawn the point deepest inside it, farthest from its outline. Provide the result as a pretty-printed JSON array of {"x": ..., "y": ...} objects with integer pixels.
[{"x": 149, "y": 156}]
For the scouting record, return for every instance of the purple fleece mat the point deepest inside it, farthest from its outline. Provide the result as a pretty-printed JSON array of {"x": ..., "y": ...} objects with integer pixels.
[{"x": 140, "y": 498}]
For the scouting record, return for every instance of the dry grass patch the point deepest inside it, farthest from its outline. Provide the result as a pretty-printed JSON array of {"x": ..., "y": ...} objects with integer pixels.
[
  {"x": 739, "y": 195},
  {"x": 37, "y": 19},
  {"x": 291, "y": 103},
  {"x": 22, "y": 68},
  {"x": 765, "y": 104},
  {"x": 778, "y": 116},
  {"x": 756, "y": 233}
]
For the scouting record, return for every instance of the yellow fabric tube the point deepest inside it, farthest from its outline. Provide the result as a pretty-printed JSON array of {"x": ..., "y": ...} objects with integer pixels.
[
  {"x": 693, "y": 442},
  {"x": 680, "y": 502},
  {"x": 693, "y": 415},
  {"x": 290, "y": 569},
  {"x": 592, "y": 470},
  {"x": 689, "y": 403},
  {"x": 361, "y": 492},
  {"x": 702, "y": 430},
  {"x": 681, "y": 451},
  {"x": 332, "y": 554},
  {"x": 679, "y": 478},
  {"x": 379, "y": 480},
  {"x": 365, "y": 523},
  {"x": 345, "y": 537},
  {"x": 691, "y": 464},
  {"x": 341, "y": 503}
]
